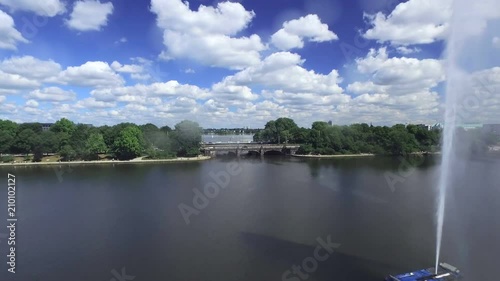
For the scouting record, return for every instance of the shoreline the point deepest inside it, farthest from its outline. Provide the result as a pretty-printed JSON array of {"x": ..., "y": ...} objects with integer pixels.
[
  {"x": 97, "y": 162},
  {"x": 359, "y": 155},
  {"x": 335, "y": 156}
]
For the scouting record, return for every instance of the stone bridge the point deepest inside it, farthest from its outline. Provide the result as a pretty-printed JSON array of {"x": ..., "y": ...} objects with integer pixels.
[{"x": 245, "y": 148}]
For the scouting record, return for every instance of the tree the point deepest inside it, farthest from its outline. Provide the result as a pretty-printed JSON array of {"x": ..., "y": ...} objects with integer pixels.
[
  {"x": 187, "y": 136},
  {"x": 8, "y": 131},
  {"x": 63, "y": 126},
  {"x": 129, "y": 144},
  {"x": 24, "y": 141},
  {"x": 50, "y": 142},
  {"x": 401, "y": 141},
  {"x": 78, "y": 139},
  {"x": 94, "y": 145},
  {"x": 67, "y": 153}
]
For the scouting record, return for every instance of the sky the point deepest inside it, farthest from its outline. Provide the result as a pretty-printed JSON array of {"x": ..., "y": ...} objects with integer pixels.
[{"x": 241, "y": 63}]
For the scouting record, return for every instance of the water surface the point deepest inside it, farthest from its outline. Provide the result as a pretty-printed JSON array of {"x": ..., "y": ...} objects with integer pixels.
[{"x": 93, "y": 219}]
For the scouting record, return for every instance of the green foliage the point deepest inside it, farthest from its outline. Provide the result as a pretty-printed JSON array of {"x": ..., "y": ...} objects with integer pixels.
[
  {"x": 281, "y": 130},
  {"x": 324, "y": 138},
  {"x": 25, "y": 141},
  {"x": 8, "y": 131},
  {"x": 94, "y": 145},
  {"x": 63, "y": 126},
  {"x": 7, "y": 159},
  {"x": 129, "y": 144},
  {"x": 67, "y": 153},
  {"x": 187, "y": 138}
]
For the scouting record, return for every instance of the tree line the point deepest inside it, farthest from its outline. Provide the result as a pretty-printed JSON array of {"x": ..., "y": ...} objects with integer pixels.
[
  {"x": 326, "y": 139},
  {"x": 79, "y": 141}
]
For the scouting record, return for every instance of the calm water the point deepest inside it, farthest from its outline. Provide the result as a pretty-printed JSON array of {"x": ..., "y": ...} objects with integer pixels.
[{"x": 96, "y": 219}]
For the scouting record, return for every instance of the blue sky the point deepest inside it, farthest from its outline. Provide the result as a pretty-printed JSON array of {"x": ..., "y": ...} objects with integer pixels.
[{"x": 231, "y": 64}]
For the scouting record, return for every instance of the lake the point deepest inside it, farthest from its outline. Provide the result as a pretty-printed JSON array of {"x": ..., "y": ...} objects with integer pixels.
[{"x": 339, "y": 219}]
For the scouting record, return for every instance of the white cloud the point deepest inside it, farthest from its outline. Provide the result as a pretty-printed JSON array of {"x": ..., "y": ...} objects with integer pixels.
[
  {"x": 402, "y": 74},
  {"x": 48, "y": 8},
  {"x": 232, "y": 94},
  {"x": 427, "y": 21},
  {"x": 31, "y": 103},
  {"x": 2, "y": 99},
  {"x": 294, "y": 32},
  {"x": 478, "y": 99},
  {"x": 406, "y": 51},
  {"x": 91, "y": 74},
  {"x": 283, "y": 71},
  {"x": 139, "y": 92},
  {"x": 9, "y": 36},
  {"x": 496, "y": 42},
  {"x": 53, "y": 94},
  {"x": 89, "y": 15},
  {"x": 400, "y": 89},
  {"x": 30, "y": 67},
  {"x": 15, "y": 81},
  {"x": 93, "y": 103},
  {"x": 411, "y": 22},
  {"x": 189, "y": 71},
  {"x": 128, "y": 68},
  {"x": 207, "y": 35}
]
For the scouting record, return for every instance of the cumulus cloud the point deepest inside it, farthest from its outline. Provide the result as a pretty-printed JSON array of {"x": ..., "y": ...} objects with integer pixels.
[
  {"x": 128, "y": 68},
  {"x": 406, "y": 51},
  {"x": 294, "y": 32},
  {"x": 91, "y": 74},
  {"x": 52, "y": 94},
  {"x": 411, "y": 22},
  {"x": 30, "y": 67},
  {"x": 93, "y": 103},
  {"x": 9, "y": 36},
  {"x": 31, "y": 103},
  {"x": 284, "y": 71},
  {"x": 208, "y": 34},
  {"x": 139, "y": 92},
  {"x": 399, "y": 88},
  {"x": 14, "y": 81},
  {"x": 46, "y": 8},
  {"x": 89, "y": 15}
]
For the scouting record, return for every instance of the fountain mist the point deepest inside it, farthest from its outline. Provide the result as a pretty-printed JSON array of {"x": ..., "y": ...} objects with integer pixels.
[{"x": 469, "y": 22}]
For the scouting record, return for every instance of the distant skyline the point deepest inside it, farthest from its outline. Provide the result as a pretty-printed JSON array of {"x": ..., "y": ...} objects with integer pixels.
[{"x": 238, "y": 64}]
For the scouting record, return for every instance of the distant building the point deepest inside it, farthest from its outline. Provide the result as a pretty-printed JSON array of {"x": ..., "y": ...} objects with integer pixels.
[
  {"x": 46, "y": 126},
  {"x": 330, "y": 123}
]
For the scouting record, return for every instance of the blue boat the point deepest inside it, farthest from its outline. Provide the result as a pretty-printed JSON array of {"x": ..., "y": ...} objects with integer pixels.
[{"x": 445, "y": 272}]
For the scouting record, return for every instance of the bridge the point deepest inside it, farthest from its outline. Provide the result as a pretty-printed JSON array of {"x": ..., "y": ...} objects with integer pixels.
[{"x": 246, "y": 148}]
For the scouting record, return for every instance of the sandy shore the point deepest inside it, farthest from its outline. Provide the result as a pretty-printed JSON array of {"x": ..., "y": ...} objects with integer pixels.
[
  {"x": 134, "y": 161},
  {"x": 335, "y": 156}
]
